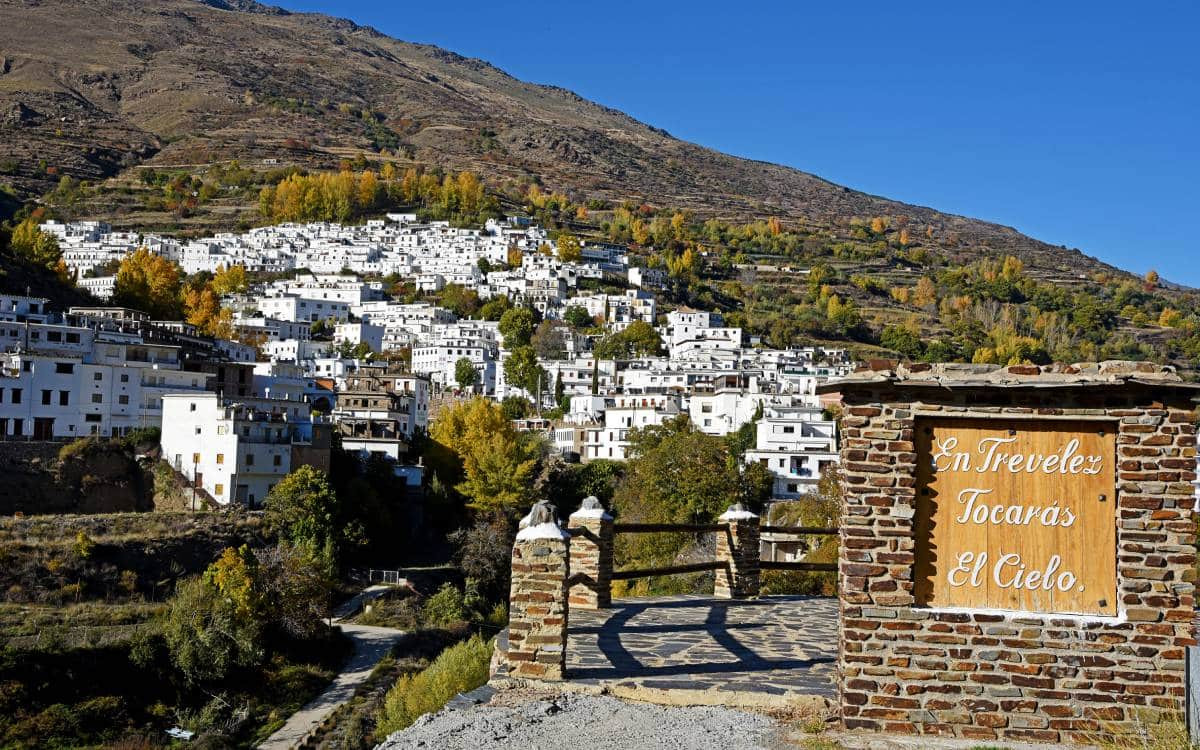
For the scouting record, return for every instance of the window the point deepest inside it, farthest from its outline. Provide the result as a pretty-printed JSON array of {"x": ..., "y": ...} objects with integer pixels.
[
  {"x": 64, "y": 368},
  {"x": 45, "y": 398},
  {"x": 249, "y": 459},
  {"x": 54, "y": 335},
  {"x": 124, "y": 377},
  {"x": 92, "y": 418},
  {"x": 278, "y": 460},
  {"x": 706, "y": 409},
  {"x": 123, "y": 399},
  {"x": 195, "y": 458},
  {"x": 27, "y": 366},
  {"x": 219, "y": 489},
  {"x": 72, "y": 338},
  {"x": 97, "y": 376},
  {"x": 16, "y": 396},
  {"x": 97, "y": 398},
  {"x": 220, "y": 458},
  {"x": 64, "y": 398},
  {"x": 191, "y": 407}
]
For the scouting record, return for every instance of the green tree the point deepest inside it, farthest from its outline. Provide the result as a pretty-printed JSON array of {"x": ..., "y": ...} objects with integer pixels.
[
  {"x": 516, "y": 326},
  {"x": 494, "y": 308},
  {"x": 677, "y": 474},
  {"x": 522, "y": 370},
  {"x": 465, "y": 373},
  {"x": 549, "y": 340},
  {"x": 638, "y": 339},
  {"x": 462, "y": 301},
  {"x": 902, "y": 340},
  {"x": 207, "y": 636},
  {"x": 306, "y": 513},
  {"x": 516, "y": 407},
  {"x": 578, "y": 317}
]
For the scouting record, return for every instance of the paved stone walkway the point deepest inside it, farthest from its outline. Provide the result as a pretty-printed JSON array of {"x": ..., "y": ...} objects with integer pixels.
[
  {"x": 780, "y": 646},
  {"x": 370, "y": 645}
]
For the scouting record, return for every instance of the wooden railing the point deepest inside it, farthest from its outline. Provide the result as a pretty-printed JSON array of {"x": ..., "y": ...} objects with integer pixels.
[
  {"x": 667, "y": 570},
  {"x": 668, "y": 528},
  {"x": 799, "y": 564}
]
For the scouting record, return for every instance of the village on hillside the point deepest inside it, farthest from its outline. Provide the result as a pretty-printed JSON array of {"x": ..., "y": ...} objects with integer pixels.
[{"x": 323, "y": 347}]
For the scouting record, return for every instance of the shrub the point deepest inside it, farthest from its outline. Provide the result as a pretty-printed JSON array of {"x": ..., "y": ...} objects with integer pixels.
[
  {"x": 458, "y": 669},
  {"x": 445, "y": 607}
]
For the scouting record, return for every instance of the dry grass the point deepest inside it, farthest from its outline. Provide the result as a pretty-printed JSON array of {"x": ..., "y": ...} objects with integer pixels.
[{"x": 1149, "y": 731}]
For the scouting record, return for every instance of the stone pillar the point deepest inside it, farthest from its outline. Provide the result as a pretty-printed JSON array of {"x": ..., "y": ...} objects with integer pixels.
[
  {"x": 591, "y": 556},
  {"x": 738, "y": 549},
  {"x": 537, "y": 601}
]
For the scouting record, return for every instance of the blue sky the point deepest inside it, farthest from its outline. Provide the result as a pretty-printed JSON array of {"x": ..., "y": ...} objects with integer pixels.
[{"x": 1077, "y": 123}]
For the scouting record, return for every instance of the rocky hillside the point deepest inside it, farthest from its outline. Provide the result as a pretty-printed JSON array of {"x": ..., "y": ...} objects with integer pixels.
[{"x": 92, "y": 89}]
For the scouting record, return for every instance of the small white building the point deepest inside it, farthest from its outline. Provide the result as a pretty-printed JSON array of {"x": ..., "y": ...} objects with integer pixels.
[
  {"x": 237, "y": 451},
  {"x": 796, "y": 444}
]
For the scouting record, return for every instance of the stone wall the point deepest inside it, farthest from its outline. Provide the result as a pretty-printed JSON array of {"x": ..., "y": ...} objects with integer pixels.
[
  {"x": 738, "y": 549},
  {"x": 537, "y": 619},
  {"x": 1011, "y": 676},
  {"x": 591, "y": 556}
]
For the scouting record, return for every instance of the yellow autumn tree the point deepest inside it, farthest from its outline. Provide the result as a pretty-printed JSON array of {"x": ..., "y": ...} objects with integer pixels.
[
  {"x": 1012, "y": 269},
  {"x": 202, "y": 308},
  {"x": 410, "y": 185},
  {"x": 150, "y": 283},
  {"x": 29, "y": 242},
  {"x": 570, "y": 249},
  {"x": 1170, "y": 318},
  {"x": 496, "y": 463},
  {"x": 924, "y": 293},
  {"x": 230, "y": 280},
  {"x": 641, "y": 234}
]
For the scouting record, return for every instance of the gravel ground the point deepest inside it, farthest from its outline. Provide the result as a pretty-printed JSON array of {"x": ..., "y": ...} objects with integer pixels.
[{"x": 583, "y": 722}]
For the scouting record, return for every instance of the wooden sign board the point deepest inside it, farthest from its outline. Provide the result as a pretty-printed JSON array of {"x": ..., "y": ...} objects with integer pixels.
[{"x": 1016, "y": 515}]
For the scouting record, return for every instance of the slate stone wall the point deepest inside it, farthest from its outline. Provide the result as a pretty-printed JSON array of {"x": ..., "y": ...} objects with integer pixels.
[{"x": 1012, "y": 676}]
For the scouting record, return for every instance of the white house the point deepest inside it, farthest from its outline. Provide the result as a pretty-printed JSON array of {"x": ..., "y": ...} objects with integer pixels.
[
  {"x": 237, "y": 451},
  {"x": 796, "y": 444}
]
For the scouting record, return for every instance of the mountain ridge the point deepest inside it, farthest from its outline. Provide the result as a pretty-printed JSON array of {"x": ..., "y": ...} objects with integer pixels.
[{"x": 184, "y": 81}]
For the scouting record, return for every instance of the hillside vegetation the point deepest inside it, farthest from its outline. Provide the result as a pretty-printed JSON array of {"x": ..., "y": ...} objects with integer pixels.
[
  {"x": 130, "y": 85},
  {"x": 192, "y": 117}
]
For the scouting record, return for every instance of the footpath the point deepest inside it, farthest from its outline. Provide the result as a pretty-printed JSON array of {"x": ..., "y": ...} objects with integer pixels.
[{"x": 370, "y": 645}]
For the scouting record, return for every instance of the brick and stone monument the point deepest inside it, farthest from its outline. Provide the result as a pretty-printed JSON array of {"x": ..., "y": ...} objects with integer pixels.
[
  {"x": 591, "y": 556},
  {"x": 1016, "y": 558},
  {"x": 738, "y": 551},
  {"x": 537, "y": 620}
]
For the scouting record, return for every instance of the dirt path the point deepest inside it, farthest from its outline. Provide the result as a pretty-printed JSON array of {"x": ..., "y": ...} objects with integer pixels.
[{"x": 370, "y": 645}]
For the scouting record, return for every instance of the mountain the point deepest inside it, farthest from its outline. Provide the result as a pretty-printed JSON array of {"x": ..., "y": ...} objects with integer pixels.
[{"x": 92, "y": 88}]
